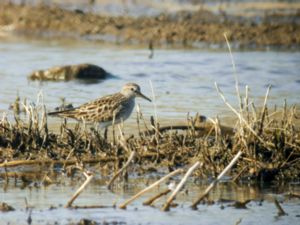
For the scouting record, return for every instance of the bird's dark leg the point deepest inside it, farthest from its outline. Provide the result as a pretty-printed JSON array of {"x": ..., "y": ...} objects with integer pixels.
[{"x": 105, "y": 133}]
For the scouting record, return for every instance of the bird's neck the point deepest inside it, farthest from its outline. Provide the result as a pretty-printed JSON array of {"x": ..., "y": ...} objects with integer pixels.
[{"x": 128, "y": 95}]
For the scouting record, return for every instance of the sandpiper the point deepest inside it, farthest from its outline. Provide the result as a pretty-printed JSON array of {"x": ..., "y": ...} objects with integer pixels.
[{"x": 109, "y": 109}]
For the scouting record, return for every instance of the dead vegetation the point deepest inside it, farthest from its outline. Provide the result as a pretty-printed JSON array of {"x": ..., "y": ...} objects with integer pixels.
[
  {"x": 263, "y": 146},
  {"x": 270, "y": 144}
]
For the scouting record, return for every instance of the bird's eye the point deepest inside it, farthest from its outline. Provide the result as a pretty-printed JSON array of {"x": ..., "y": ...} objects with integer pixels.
[{"x": 132, "y": 89}]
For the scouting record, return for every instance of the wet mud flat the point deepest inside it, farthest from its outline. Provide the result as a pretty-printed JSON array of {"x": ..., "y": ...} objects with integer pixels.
[{"x": 185, "y": 29}]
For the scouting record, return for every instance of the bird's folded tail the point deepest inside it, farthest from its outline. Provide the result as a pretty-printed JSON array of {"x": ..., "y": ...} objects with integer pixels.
[
  {"x": 62, "y": 113},
  {"x": 55, "y": 113}
]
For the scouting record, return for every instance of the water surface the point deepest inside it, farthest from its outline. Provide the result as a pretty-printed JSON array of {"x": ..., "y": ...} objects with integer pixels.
[
  {"x": 183, "y": 80},
  {"x": 261, "y": 208}
]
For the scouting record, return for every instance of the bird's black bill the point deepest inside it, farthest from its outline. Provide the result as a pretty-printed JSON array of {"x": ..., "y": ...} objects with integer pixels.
[{"x": 143, "y": 96}]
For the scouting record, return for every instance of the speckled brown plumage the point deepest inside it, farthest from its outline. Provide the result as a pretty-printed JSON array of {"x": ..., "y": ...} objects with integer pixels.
[{"x": 103, "y": 110}]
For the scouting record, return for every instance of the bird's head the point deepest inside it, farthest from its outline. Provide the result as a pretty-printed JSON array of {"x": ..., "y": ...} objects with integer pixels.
[{"x": 133, "y": 90}]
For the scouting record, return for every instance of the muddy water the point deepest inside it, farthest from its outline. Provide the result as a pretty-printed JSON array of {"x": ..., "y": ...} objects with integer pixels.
[
  {"x": 261, "y": 209},
  {"x": 183, "y": 80}
]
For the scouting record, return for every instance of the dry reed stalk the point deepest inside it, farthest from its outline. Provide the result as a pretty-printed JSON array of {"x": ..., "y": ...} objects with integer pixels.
[
  {"x": 4, "y": 127},
  {"x": 166, "y": 206},
  {"x": 235, "y": 74},
  {"x": 122, "y": 140},
  {"x": 68, "y": 156},
  {"x": 211, "y": 186},
  {"x": 130, "y": 158},
  {"x": 156, "y": 197},
  {"x": 263, "y": 112},
  {"x": 286, "y": 163},
  {"x": 155, "y": 126},
  {"x": 209, "y": 132},
  {"x": 89, "y": 176},
  {"x": 247, "y": 102},
  {"x": 254, "y": 113},
  {"x": 123, "y": 143},
  {"x": 217, "y": 128},
  {"x": 154, "y": 102},
  {"x": 6, "y": 175},
  {"x": 143, "y": 119},
  {"x": 241, "y": 118},
  {"x": 123, "y": 205}
]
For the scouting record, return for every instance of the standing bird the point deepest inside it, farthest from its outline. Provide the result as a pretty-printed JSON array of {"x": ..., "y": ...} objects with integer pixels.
[{"x": 108, "y": 109}]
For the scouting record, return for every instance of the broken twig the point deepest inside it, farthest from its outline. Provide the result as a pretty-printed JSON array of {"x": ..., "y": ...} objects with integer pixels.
[
  {"x": 131, "y": 157},
  {"x": 210, "y": 187},
  {"x": 154, "y": 198},
  {"x": 166, "y": 207},
  {"x": 89, "y": 176},
  {"x": 281, "y": 212},
  {"x": 123, "y": 206}
]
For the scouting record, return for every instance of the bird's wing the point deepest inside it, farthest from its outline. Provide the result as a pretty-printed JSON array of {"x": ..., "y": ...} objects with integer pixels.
[
  {"x": 99, "y": 110},
  {"x": 103, "y": 109}
]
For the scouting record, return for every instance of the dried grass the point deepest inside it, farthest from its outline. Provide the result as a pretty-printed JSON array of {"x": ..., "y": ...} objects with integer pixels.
[{"x": 270, "y": 144}]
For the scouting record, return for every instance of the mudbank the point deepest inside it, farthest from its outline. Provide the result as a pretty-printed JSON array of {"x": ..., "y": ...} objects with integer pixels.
[{"x": 182, "y": 30}]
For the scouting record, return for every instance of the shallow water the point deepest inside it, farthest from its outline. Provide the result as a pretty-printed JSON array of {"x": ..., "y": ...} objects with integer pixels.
[
  {"x": 261, "y": 209},
  {"x": 183, "y": 80}
]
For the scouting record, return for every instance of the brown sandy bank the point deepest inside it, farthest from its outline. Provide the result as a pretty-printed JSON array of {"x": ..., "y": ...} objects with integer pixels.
[{"x": 197, "y": 29}]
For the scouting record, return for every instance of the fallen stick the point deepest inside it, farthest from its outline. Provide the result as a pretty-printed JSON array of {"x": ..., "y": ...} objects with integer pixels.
[
  {"x": 154, "y": 198},
  {"x": 281, "y": 212},
  {"x": 202, "y": 129},
  {"x": 123, "y": 205},
  {"x": 294, "y": 195},
  {"x": 166, "y": 207},
  {"x": 16, "y": 163},
  {"x": 208, "y": 189},
  {"x": 27, "y": 175},
  {"x": 174, "y": 127},
  {"x": 131, "y": 157},
  {"x": 90, "y": 207},
  {"x": 89, "y": 176},
  {"x": 67, "y": 162}
]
